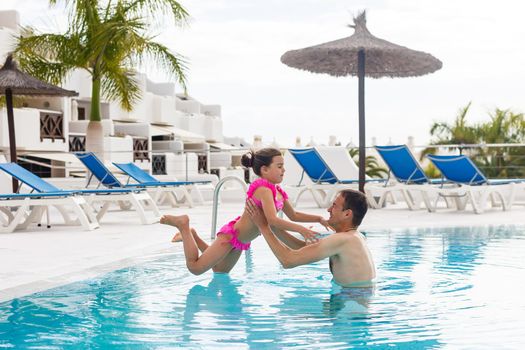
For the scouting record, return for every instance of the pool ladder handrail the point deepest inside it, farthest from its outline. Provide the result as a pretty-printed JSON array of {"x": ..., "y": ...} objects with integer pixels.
[{"x": 216, "y": 199}]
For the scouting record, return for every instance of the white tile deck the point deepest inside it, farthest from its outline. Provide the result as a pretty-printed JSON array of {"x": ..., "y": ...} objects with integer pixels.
[{"x": 36, "y": 260}]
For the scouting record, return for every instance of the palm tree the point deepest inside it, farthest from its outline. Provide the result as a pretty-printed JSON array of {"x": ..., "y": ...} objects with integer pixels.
[
  {"x": 457, "y": 133},
  {"x": 372, "y": 167},
  {"x": 504, "y": 127},
  {"x": 108, "y": 39}
]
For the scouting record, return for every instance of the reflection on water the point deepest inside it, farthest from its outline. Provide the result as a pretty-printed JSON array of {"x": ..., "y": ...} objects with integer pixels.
[
  {"x": 436, "y": 288},
  {"x": 353, "y": 301},
  {"x": 218, "y": 305}
]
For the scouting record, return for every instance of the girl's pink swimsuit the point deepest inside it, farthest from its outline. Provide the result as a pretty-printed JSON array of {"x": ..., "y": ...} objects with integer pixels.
[{"x": 279, "y": 204}]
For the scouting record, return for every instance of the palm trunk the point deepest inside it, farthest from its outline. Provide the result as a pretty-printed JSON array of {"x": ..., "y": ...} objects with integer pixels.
[{"x": 94, "y": 132}]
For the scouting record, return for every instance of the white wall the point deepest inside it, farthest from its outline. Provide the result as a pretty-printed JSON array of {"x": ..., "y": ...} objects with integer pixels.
[
  {"x": 211, "y": 110},
  {"x": 6, "y": 183},
  {"x": 80, "y": 127},
  {"x": 44, "y": 102},
  {"x": 163, "y": 110},
  {"x": 188, "y": 106},
  {"x": 181, "y": 120},
  {"x": 80, "y": 81},
  {"x": 143, "y": 108},
  {"x": 9, "y": 19},
  {"x": 213, "y": 129},
  {"x": 176, "y": 165},
  {"x": 7, "y": 43},
  {"x": 9, "y": 24},
  {"x": 161, "y": 89},
  {"x": 197, "y": 123},
  {"x": 27, "y": 131},
  {"x": 118, "y": 149},
  {"x": 116, "y": 112},
  {"x": 134, "y": 129}
]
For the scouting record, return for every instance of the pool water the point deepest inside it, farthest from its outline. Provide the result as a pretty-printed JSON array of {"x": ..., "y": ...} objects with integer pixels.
[{"x": 437, "y": 288}]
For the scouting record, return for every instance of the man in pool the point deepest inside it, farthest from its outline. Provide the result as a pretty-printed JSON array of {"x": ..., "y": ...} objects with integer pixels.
[{"x": 351, "y": 262}]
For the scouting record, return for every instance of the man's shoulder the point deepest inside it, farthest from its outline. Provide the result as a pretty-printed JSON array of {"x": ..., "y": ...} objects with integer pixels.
[
  {"x": 347, "y": 236},
  {"x": 342, "y": 236}
]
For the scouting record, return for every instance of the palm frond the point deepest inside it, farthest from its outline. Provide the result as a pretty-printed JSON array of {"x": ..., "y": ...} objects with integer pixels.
[
  {"x": 372, "y": 167},
  {"x": 164, "y": 59},
  {"x": 107, "y": 38},
  {"x": 503, "y": 127},
  {"x": 151, "y": 8},
  {"x": 120, "y": 85}
]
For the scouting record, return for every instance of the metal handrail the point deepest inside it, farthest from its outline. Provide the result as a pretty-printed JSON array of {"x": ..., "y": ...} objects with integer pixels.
[{"x": 216, "y": 199}]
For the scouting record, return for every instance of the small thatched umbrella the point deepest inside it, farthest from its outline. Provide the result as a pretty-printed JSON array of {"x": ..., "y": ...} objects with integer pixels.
[
  {"x": 13, "y": 81},
  {"x": 347, "y": 57}
]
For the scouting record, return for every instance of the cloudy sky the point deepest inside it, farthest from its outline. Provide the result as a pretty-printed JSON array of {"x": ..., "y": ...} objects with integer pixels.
[{"x": 234, "y": 49}]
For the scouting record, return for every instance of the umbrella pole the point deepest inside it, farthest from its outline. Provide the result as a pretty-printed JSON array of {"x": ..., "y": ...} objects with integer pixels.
[
  {"x": 362, "y": 140},
  {"x": 11, "y": 127}
]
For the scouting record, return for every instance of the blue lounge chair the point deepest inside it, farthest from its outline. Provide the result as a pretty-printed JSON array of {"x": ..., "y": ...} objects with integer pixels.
[
  {"x": 402, "y": 164},
  {"x": 30, "y": 207},
  {"x": 409, "y": 176},
  {"x": 476, "y": 187},
  {"x": 171, "y": 188},
  {"x": 134, "y": 197},
  {"x": 325, "y": 182}
]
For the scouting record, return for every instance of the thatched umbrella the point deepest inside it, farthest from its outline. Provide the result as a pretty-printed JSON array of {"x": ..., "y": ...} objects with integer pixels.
[
  {"x": 13, "y": 81},
  {"x": 347, "y": 56}
]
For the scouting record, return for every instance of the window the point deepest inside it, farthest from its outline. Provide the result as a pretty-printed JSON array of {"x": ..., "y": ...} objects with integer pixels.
[{"x": 81, "y": 113}]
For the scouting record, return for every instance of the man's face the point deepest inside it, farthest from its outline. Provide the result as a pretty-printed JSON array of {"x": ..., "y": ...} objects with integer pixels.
[{"x": 337, "y": 214}]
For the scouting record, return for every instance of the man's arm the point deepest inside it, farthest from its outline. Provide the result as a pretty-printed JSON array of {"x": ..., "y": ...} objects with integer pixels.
[
  {"x": 288, "y": 239},
  {"x": 270, "y": 214},
  {"x": 290, "y": 257}
]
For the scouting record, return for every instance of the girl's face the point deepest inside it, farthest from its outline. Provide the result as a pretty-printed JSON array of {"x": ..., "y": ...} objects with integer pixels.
[{"x": 275, "y": 171}]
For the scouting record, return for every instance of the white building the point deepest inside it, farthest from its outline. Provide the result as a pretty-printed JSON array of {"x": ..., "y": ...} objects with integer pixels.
[{"x": 157, "y": 134}]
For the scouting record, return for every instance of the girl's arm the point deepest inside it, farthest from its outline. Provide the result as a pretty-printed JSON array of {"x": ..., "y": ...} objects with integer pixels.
[
  {"x": 291, "y": 241},
  {"x": 266, "y": 197},
  {"x": 289, "y": 257},
  {"x": 297, "y": 216}
]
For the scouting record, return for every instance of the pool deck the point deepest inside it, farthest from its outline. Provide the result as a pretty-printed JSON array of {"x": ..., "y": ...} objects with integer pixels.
[{"x": 42, "y": 258}]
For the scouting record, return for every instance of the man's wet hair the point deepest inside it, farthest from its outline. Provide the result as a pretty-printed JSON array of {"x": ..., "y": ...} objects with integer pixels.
[{"x": 355, "y": 201}]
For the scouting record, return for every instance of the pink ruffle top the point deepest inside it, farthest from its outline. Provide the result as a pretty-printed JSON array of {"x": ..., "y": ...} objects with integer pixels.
[{"x": 260, "y": 182}]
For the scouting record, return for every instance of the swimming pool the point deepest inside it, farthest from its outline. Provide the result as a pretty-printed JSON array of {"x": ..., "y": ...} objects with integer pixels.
[{"x": 437, "y": 288}]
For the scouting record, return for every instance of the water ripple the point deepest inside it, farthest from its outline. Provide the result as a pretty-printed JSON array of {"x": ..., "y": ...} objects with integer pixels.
[{"x": 453, "y": 288}]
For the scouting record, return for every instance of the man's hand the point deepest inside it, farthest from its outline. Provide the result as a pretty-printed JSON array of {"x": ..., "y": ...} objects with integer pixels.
[
  {"x": 256, "y": 214},
  {"x": 325, "y": 223},
  {"x": 309, "y": 235}
]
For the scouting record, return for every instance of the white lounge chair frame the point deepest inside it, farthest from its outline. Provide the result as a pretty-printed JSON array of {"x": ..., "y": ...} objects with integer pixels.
[{"x": 20, "y": 213}]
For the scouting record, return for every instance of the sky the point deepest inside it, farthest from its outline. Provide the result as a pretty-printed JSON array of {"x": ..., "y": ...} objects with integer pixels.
[{"x": 234, "y": 49}]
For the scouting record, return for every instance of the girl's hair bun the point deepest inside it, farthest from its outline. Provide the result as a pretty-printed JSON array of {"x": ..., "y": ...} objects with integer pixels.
[{"x": 247, "y": 159}]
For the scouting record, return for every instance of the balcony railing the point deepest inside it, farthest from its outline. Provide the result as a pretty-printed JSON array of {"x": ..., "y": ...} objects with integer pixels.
[
  {"x": 202, "y": 163},
  {"x": 158, "y": 164},
  {"x": 140, "y": 149},
  {"x": 51, "y": 126},
  {"x": 77, "y": 143}
]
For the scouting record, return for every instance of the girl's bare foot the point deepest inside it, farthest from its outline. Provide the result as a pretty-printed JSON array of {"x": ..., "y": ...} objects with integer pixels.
[
  {"x": 178, "y": 236},
  {"x": 179, "y": 222}
]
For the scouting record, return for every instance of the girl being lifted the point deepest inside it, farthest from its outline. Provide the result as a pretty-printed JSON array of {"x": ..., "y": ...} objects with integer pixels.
[{"x": 234, "y": 237}]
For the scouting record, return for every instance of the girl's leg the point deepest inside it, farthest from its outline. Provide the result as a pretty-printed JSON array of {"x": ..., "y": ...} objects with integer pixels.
[
  {"x": 229, "y": 261},
  {"x": 214, "y": 254},
  {"x": 200, "y": 243},
  {"x": 225, "y": 265}
]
